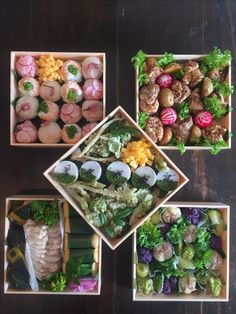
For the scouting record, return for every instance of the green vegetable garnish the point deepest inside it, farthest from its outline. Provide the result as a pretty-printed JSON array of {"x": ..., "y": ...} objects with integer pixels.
[
  {"x": 176, "y": 233},
  {"x": 73, "y": 70},
  {"x": 43, "y": 107},
  {"x": 214, "y": 106},
  {"x": 215, "y": 60},
  {"x": 215, "y": 147},
  {"x": 215, "y": 285},
  {"x": 122, "y": 129},
  {"x": 183, "y": 112},
  {"x": 202, "y": 243},
  {"x": 98, "y": 204},
  {"x": 178, "y": 75},
  {"x": 181, "y": 146},
  {"x": 145, "y": 285},
  {"x": 142, "y": 270},
  {"x": 138, "y": 63},
  {"x": 166, "y": 59},
  {"x": 71, "y": 131},
  {"x": 149, "y": 236},
  {"x": 27, "y": 86},
  {"x": 139, "y": 182},
  {"x": 77, "y": 269},
  {"x": 115, "y": 177},
  {"x": 223, "y": 88},
  {"x": 87, "y": 175},
  {"x": 109, "y": 231},
  {"x": 55, "y": 282},
  {"x": 158, "y": 282},
  {"x": 64, "y": 178},
  {"x": 188, "y": 252},
  {"x": 46, "y": 211},
  {"x": 167, "y": 268},
  {"x": 142, "y": 119},
  {"x": 72, "y": 95},
  {"x": 124, "y": 212}
]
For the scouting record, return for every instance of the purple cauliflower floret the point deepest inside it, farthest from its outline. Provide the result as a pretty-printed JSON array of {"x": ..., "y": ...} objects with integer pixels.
[
  {"x": 164, "y": 230},
  {"x": 215, "y": 243},
  {"x": 192, "y": 215},
  {"x": 170, "y": 285},
  {"x": 144, "y": 255}
]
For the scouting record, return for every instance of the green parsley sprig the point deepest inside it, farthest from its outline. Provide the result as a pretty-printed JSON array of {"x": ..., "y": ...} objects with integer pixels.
[
  {"x": 216, "y": 59},
  {"x": 214, "y": 106},
  {"x": 183, "y": 112},
  {"x": 223, "y": 88},
  {"x": 149, "y": 236},
  {"x": 138, "y": 63},
  {"x": 166, "y": 59},
  {"x": 45, "y": 211},
  {"x": 142, "y": 119}
]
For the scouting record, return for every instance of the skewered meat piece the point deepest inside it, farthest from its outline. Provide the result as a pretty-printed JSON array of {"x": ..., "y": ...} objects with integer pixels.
[
  {"x": 154, "y": 128},
  {"x": 181, "y": 91},
  {"x": 195, "y": 103},
  {"x": 214, "y": 133},
  {"x": 193, "y": 74},
  {"x": 153, "y": 71},
  {"x": 149, "y": 98},
  {"x": 182, "y": 129}
]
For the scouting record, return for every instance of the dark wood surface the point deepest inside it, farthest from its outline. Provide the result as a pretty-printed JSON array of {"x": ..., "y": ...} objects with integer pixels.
[{"x": 119, "y": 28}]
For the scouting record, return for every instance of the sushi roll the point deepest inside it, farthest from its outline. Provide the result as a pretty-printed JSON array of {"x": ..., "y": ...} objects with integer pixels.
[
  {"x": 49, "y": 133},
  {"x": 71, "y": 92},
  {"x": 118, "y": 172},
  {"x": 71, "y": 133},
  {"x": 92, "y": 68},
  {"x": 27, "y": 107},
  {"x": 26, "y": 66},
  {"x": 66, "y": 172},
  {"x": 88, "y": 127},
  {"x": 28, "y": 86},
  {"x": 167, "y": 180},
  {"x": 71, "y": 71},
  {"x": 93, "y": 89},
  {"x": 50, "y": 90},
  {"x": 90, "y": 171},
  {"x": 92, "y": 110},
  {"x": 70, "y": 113},
  {"x": 143, "y": 177},
  {"x": 26, "y": 132},
  {"x": 48, "y": 111}
]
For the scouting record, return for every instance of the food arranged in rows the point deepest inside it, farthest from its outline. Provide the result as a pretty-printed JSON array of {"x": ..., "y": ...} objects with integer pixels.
[
  {"x": 185, "y": 102},
  {"x": 51, "y": 248},
  {"x": 116, "y": 177},
  {"x": 58, "y": 100},
  {"x": 180, "y": 252}
]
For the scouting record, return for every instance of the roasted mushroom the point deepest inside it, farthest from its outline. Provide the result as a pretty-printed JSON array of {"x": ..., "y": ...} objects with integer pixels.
[
  {"x": 172, "y": 68},
  {"x": 207, "y": 87},
  {"x": 195, "y": 103},
  {"x": 193, "y": 74},
  {"x": 181, "y": 129},
  {"x": 216, "y": 74},
  {"x": 181, "y": 91},
  {"x": 153, "y": 71},
  {"x": 214, "y": 133},
  {"x": 167, "y": 137},
  {"x": 149, "y": 98},
  {"x": 195, "y": 134},
  {"x": 166, "y": 98},
  {"x": 154, "y": 128}
]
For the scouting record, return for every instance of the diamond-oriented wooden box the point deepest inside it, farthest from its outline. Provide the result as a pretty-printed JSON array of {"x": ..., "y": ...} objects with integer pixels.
[{"x": 114, "y": 243}]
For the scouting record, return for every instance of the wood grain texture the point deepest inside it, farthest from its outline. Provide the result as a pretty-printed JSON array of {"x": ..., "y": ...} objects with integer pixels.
[{"x": 119, "y": 28}]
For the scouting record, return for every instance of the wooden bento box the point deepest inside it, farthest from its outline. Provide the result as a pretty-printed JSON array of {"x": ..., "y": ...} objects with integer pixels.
[
  {"x": 194, "y": 295},
  {"x": 118, "y": 114},
  {"x": 225, "y": 121},
  {"x": 67, "y": 214},
  {"x": 73, "y": 115}
]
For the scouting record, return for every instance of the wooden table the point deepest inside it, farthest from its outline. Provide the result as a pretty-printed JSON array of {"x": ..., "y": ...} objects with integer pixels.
[{"x": 119, "y": 28}]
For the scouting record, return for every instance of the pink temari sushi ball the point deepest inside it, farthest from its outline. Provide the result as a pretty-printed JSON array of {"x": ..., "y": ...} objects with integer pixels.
[
  {"x": 88, "y": 127},
  {"x": 93, "y": 89},
  {"x": 92, "y": 68},
  {"x": 26, "y": 132},
  {"x": 70, "y": 113},
  {"x": 168, "y": 116},
  {"x": 92, "y": 110},
  {"x": 26, "y": 66}
]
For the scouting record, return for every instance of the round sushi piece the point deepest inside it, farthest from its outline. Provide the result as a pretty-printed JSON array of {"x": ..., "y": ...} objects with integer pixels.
[
  {"x": 28, "y": 86},
  {"x": 90, "y": 171},
  {"x": 70, "y": 113},
  {"x": 93, "y": 89},
  {"x": 88, "y": 127},
  {"x": 92, "y": 68},
  {"x": 143, "y": 177},
  {"x": 26, "y": 132},
  {"x": 26, "y": 66},
  {"x": 48, "y": 111},
  {"x": 92, "y": 110},
  {"x": 71, "y": 71},
  {"x": 118, "y": 172},
  {"x": 50, "y": 90},
  {"x": 66, "y": 172},
  {"x": 71, "y": 133},
  {"x": 27, "y": 107},
  {"x": 49, "y": 133},
  {"x": 71, "y": 92},
  {"x": 167, "y": 180}
]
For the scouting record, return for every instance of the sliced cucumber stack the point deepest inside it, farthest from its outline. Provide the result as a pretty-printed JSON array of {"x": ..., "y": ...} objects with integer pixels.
[
  {"x": 90, "y": 171},
  {"x": 167, "y": 180},
  {"x": 118, "y": 172},
  {"x": 143, "y": 177},
  {"x": 66, "y": 172}
]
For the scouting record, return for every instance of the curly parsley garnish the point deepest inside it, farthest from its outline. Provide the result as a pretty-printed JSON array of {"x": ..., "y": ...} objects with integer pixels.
[
  {"x": 180, "y": 145},
  {"x": 142, "y": 119},
  {"x": 183, "y": 112},
  {"x": 149, "y": 236},
  {"x": 73, "y": 70},
  {"x": 71, "y": 130},
  {"x": 223, "y": 88},
  {"x": 215, "y": 60},
  {"x": 214, "y": 106},
  {"x": 138, "y": 63},
  {"x": 46, "y": 211},
  {"x": 72, "y": 95},
  {"x": 43, "y": 107},
  {"x": 166, "y": 59},
  {"x": 176, "y": 233}
]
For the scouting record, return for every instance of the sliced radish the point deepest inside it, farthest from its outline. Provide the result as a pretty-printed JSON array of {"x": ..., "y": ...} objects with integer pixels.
[{"x": 90, "y": 171}]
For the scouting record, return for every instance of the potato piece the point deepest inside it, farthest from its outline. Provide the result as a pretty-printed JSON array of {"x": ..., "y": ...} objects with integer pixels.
[
  {"x": 166, "y": 98},
  {"x": 172, "y": 68},
  {"x": 166, "y": 137},
  {"x": 195, "y": 134},
  {"x": 207, "y": 87}
]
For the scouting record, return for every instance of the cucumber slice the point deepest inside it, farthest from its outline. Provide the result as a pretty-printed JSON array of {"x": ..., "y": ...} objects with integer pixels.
[
  {"x": 144, "y": 177},
  {"x": 90, "y": 171},
  {"x": 158, "y": 282},
  {"x": 66, "y": 172},
  {"x": 118, "y": 172},
  {"x": 167, "y": 180}
]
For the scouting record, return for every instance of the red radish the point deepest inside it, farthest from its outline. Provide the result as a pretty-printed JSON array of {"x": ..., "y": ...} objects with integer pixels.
[
  {"x": 168, "y": 116},
  {"x": 203, "y": 119},
  {"x": 164, "y": 80}
]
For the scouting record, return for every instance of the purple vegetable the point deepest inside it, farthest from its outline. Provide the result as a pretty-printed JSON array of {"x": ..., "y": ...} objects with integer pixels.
[
  {"x": 144, "y": 255},
  {"x": 85, "y": 285},
  {"x": 170, "y": 285},
  {"x": 215, "y": 242},
  {"x": 164, "y": 230},
  {"x": 192, "y": 215}
]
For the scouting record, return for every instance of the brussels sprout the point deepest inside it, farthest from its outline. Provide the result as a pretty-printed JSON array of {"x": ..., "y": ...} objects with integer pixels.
[
  {"x": 187, "y": 283},
  {"x": 188, "y": 252},
  {"x": 190, "y": 235},
  {"x": 215, "y": 286},
  {"x": 158, "y": 282},
  {"x": 214, "y": 262},
  {"x": 98, "y": 205},
  {"x": 142, "y": 270},
  {"x": 186, "y": 264},
  {"x": 163, "y": 252},
  {"x": 171, "y": 214},
  {"x": 145, "y": 285}
]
